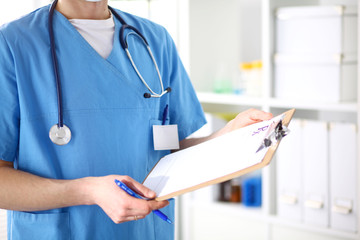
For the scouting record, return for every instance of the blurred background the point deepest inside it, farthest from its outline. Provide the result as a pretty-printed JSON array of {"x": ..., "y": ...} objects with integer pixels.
[{"x": 272, "y": 55}]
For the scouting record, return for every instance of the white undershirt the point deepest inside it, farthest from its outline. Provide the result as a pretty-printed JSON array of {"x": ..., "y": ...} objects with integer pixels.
[{"x": 98, "y": 33}]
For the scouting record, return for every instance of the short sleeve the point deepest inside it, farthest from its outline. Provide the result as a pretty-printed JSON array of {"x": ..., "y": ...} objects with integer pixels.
[
  {"x": 185, "y": 110},
  {"x": 9, "y": 104}
]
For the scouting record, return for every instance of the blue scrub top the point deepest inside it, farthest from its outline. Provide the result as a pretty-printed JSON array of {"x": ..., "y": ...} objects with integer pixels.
[{"x": 103, "y": 103}]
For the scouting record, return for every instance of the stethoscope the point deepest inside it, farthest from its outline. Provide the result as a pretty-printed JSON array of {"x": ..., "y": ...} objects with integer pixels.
[{"x": 60, "y": 134}]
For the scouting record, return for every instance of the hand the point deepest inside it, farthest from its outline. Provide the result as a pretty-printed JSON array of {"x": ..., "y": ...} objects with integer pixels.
[
  {"x": 243, "y": 119},
  {"x": 117, "y": 204},
  {"x": 248, "y": 117}
]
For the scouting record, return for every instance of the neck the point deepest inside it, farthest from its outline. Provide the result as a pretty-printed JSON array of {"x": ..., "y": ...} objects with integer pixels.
[{"x": 81, "y": 9}]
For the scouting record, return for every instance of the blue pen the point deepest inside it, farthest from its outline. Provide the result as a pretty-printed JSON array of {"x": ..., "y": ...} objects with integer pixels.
[
  {"x": 133, "y": 194},
  {"x": 165, "y": 114}
]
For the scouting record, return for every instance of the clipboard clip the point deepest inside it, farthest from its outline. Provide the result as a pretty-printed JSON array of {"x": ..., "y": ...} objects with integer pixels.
[{"x": 274, "y": 134}]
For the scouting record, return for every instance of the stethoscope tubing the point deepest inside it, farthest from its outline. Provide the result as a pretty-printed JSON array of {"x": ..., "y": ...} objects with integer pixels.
[
  {"x": 124, "y": 26},
  {"x": 138, "y": 72},
  {"x": 124, "y": 44},
  {"x": 60, "y": 134},
  {"x": 55, "y": 64}
]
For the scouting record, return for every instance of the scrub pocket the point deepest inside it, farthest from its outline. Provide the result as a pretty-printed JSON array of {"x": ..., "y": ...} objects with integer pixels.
[{"x": 28, "y": 226}]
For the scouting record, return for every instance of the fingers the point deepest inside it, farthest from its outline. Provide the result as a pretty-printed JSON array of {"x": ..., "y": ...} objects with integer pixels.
[
  {"x": 253, "y": 115},
  {"x": 131, "y": 218},
  {"x": 127, "y": 208},
  {"x": 248, "y": 117},
  {"x": 137, "y": 209},
  {"x": 258, "y": 115},
  {"x": 141, "y": 207},
  {"x": 154, "y": 205},
  {"x": 139, "y": 188}
]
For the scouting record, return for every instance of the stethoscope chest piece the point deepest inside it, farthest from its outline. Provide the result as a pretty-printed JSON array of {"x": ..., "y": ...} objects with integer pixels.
[{"x": 60, "y": 135}]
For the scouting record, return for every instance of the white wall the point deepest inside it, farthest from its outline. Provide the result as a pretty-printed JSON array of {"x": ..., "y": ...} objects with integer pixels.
[
  {"x": 222, "y": 33},
  {"x": 10, "y": 10}
]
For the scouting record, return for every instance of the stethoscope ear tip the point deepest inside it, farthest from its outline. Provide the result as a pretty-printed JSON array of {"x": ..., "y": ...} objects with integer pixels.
[
  {"x": 168, "y": 89},
  {"x": 147, "y": 95}
]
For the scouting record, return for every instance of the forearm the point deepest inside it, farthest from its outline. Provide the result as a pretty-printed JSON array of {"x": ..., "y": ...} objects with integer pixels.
[{"x": 23, "y": 191}]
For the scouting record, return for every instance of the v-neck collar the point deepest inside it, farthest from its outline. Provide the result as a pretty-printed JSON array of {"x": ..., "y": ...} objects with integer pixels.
[
  {"x": 83, "y": 40},
  {"x": 105, "y": 62}
]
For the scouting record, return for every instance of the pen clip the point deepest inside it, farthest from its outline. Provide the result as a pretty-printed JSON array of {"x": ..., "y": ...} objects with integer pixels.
[{"x": 165, "y": 114}]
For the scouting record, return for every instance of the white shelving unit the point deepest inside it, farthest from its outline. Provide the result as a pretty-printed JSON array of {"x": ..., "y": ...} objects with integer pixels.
[
  {"x": 214, "y": 220},
  {"x": 236, "y": 100}
]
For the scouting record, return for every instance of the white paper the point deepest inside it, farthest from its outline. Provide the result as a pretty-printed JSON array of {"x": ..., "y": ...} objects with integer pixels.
[{"x": 213, "y": 159}]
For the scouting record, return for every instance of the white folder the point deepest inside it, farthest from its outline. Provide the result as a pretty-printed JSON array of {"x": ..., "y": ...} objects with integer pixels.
[
  {"x": 343, "y": 187},
  {"x": 288, "y": 174},
  {"x": 315, "y": 173}
]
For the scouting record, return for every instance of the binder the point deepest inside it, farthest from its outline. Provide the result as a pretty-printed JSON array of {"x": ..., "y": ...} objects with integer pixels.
[
  {"x": 343, "y": 187},
  {"x": 288, "y": 174},
  {"x": 217, "y": 160},
  {"x": 315, "y": 173}
]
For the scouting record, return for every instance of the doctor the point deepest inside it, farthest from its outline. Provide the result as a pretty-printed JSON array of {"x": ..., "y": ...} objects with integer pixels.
[{"x": 67, "y": 70}]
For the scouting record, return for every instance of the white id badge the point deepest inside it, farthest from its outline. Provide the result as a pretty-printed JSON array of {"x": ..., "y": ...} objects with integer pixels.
[{"x": 166, "y": 137}]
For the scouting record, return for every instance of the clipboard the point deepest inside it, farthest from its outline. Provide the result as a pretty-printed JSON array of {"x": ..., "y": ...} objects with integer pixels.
[{"x": 217, "y": 160}]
